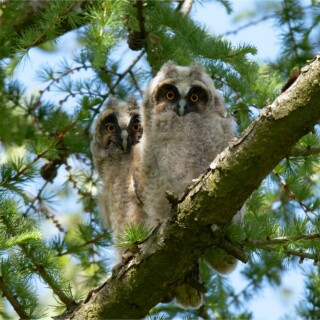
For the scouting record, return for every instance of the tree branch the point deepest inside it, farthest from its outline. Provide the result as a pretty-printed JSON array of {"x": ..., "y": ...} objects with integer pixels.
[
  {"x": 295, "y": 152},
  {"x": 303, "y": 255},
  {"x": 186, "y": 7},
  {"x": 12, "y": 298},
  {"x": 164, "y": 259},
  {"x": 28, "y": 13},
  {"x": 278, "y": 241}
]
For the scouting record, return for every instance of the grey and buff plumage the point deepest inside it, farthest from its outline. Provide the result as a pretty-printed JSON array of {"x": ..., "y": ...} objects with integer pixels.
[
  {"x": 117, "y": 132},
  {"x": 185, "y": 127}
]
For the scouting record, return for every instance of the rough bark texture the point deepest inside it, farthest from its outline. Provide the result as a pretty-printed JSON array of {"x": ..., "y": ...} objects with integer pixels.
[{"x": 163, "y": 260}]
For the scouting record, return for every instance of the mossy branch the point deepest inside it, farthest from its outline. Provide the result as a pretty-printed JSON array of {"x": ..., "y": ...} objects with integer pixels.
[{"x": 163, "y": 260}]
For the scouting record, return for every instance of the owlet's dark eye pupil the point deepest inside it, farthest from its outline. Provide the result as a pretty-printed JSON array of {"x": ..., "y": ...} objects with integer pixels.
[
  {"x": 110, "y": 127},
  {"x": 170, "y": 95},
  {"x": 194, "y": 97},
  {"x": 136, "y": 127}
]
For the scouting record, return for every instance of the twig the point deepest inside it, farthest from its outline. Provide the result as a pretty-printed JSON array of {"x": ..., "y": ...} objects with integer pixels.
[
  {"x": 295, "y": 152},
  {"x": 186, "y": 7},
  {"x": 203, "y": 312},
  {"x": 292, "y": 196},
  {"x": 91, "y": 241},
  {"x": 136, "y": 83},
  {"x": 121, "y": 76},
  {"x": 279, "y": 240},
  {"x": 125, "y": 72},
  {"x": 139, "y": 5},
  {"x": 58, "y": 17},
  {"x": 234, "y": 250},
  {"x": 180, "y": 3},
  {"x": 41, "y": 154},
  {"x": 287, "y": 8},
  {"x": 54, "y": 80},
  {"x": 42, "y": 271},
  {"x": 43, "y": 209},
  {"x": 242, "y": 292},
  {"x": 302, "y": 255},
  {"x": 13, "y": 300},
  {"x": 248, "y": 25},
  {"x": 37, "y": 197}
]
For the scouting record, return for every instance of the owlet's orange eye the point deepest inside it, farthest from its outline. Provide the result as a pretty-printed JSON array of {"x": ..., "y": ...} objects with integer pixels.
[
  {"x": 170, "y": 95},
  {"x": 110, "y": 127},
  {"x": 136, "y": 127},
  {"x": 194, "y": 98}
]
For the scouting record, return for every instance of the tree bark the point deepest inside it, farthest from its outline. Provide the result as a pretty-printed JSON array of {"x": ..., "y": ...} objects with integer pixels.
[{"x": 172, "y": 249}]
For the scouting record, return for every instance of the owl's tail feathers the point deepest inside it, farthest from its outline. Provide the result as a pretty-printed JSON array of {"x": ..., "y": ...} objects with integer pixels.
[
  {"x": 188, "y": 297},
  {"x": 220, "y": 260},
  {"x": 190, "y": 293}
]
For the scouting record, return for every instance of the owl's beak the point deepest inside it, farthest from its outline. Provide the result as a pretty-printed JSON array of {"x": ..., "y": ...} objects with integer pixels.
[
  {"x": 182, "y": 105},
  {"x": 124, "y": 138}
]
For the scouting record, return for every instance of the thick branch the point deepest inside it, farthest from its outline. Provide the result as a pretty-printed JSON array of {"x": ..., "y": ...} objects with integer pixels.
[{"x": 168, "y": 254}]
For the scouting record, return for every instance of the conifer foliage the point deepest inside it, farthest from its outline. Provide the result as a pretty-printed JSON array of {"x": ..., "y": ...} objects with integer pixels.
[{"x": 54, "y": 253}]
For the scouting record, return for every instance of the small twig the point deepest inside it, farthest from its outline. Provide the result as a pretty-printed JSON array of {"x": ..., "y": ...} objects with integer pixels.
[
  {"x": 292, "y": 196},
  {"x": 42, "y": 271},
  {"x": 12, "y": 298},
  {"x": 139, "y": 5},
  {"x": 242, "y": 292},
  {"x": 43, "y": 209},
  {"x": 125, "y": 72},
  {"x": 45, "y": 275},
  {"x": 248, "y": 25},
  {"x": 75, "y": 185},
  {"x": 37, "y": 197},
  {"x": 295, "y": 152},
  {"x": 58, "y": 17},
  {"x": 203, "y": 312},
  {"x": 91, "y": 241},
  {"x": 186, "y": 7},
  {"x": 180, "y": 3},
  {"x": 136, "y": 83},
  {"x": 234, "y": 250},
  {"x": 302, "y": 255},
  {"x": 278, "y": 241},
  {"x": 41, "y": 154},
  {"x": 54, "y": 80},
  {"x": 291, "y": 27}
]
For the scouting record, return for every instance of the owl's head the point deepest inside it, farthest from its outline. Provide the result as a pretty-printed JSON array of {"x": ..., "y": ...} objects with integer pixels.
[
  {"x": 183, "y": 90},
  {"x": 117, "y": 129}
]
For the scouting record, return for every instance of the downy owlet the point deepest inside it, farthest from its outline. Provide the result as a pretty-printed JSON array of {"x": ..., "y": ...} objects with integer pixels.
[
  {"x": 117, "y": 132},
  {"x": 186, "y": 126}
]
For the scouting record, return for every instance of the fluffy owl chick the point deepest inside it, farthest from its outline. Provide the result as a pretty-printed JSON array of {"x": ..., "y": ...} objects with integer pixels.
[
  {"x": 117, "y": 132},
  {"x": 186, "y": 126}
]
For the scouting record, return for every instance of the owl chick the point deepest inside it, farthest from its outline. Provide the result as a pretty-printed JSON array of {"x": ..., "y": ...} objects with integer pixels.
[
  {"x": 117, "y": 132},
  {"x": 186, "y": 126}
]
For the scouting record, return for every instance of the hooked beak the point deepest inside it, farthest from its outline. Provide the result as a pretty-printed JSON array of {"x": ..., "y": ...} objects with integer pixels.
[
  {"x": 182, "y": 104},
  {"x": 124, "y": 138}
]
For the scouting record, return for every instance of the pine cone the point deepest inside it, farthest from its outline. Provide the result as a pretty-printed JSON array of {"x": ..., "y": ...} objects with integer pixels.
[{"x": 136, "y": 40}]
